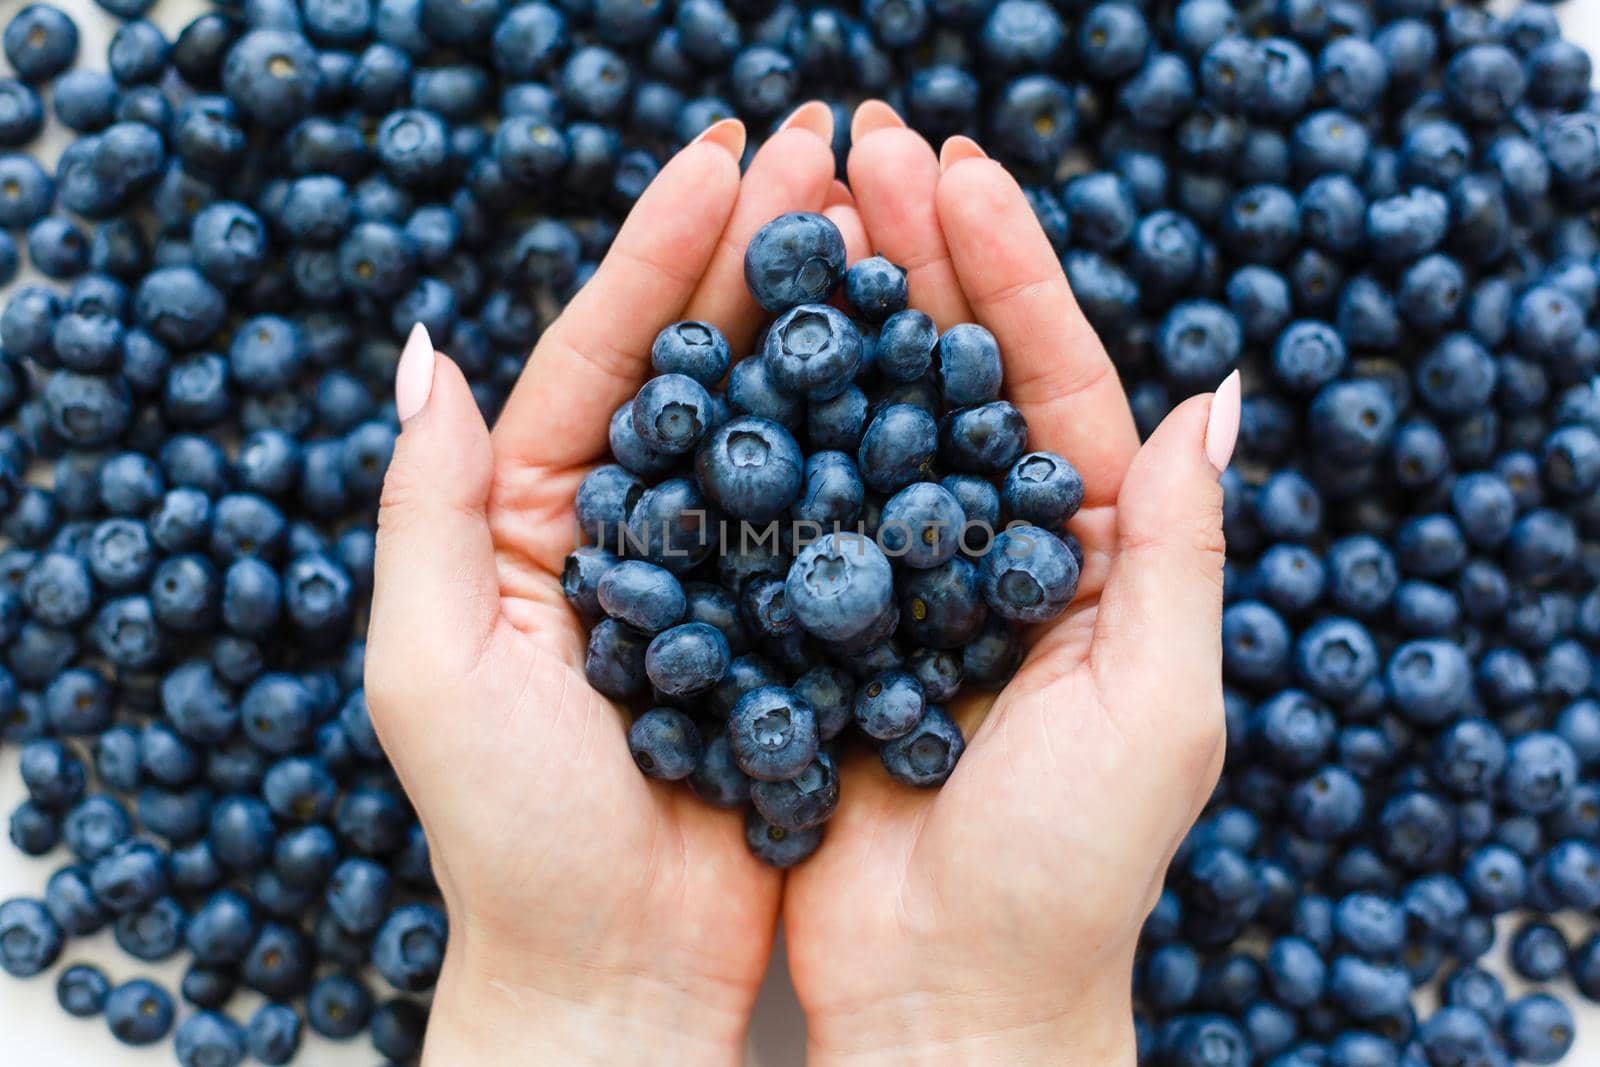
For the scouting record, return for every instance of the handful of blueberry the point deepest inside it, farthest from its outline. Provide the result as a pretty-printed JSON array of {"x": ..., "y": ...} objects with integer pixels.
[{"x": 844, "y": 528}]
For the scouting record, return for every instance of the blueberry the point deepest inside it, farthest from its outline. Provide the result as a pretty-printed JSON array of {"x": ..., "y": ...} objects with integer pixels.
[
  {"x": 1570, "y": 460},
  {"x": 832, "y": 493},
  {"x": 1539, "y": 952},
  {"x": 208, "y": 1038},
  {"x": 751, "y": 391},
  {"x": 795, "y": 259},
  {"x": 831, "y": 692},
  {"x": 812, "y": 350},
  {"x": 751, "y": 468},
  {"x": 1199, "y": 343},
  {"x": 630, "y": 450},
  {"x": 687, "y": 659},
  {"x": 1203, "y": 1040},
  {"x": 52, "y": 773},
  {"x": 21, "y": 113},
  {"x": 1167, "y": 251},
  {"x": 987, "y": 439},
  {"x": 57, "y": 248},
  {"x": 1033, "y": 120},
  {"x": 772, "y": 733},
  {"x": 605, "y": 500},
  {"x": 839, "y": 586},
  {"x": 645, "y": 597},
  {"x": 1028, "y": 575},
  {"x": 85, "y": 101},
  {"x": 152, "y": 933},
  {"x": 1557, "y": 73},
  {"x": 1112, "y": 40},
  {"x": 1042, "y": 489},
  {"x": 40, "y": 42},
  {"x": 695, "y": 349},
  {"x": 875, "y": 288},
  {"x": 139, "y": 1012},
  {"x": 1539, "y": 1028},
  {"x": 1540, "y": 770},
  {"x": 665, "y": 743},
  {"x": 1482, "y": 83},
  {"x": 409, "y": 947},
  {"x": 889, "y": 705},
  {"x": 776, "y": 846},
  {"x": 338, "y": 1006},
  {"x": 271, "y": 75},
  {"x": 82, "y": 989},
  {"x": 95, "y": 826},
  {"x": 26, "y": 192},
  {"x": 1541, "y": 545},
  {"x": 921, "y": 526},
  {"x": 766, "y": 608},
  {"x": 34, "y": 830},
  {"x": 1351, "y": 420},
  {"x": 615, "y": 662},
  {"x": 801, "y": 803},
  {"x": 969, "y": 365},
  {"x": 274, "y": 1034},
  {"x": 898, "y": 447},
  {"x": 716, "y": 778},
  {"x": 673, "y": 526}
]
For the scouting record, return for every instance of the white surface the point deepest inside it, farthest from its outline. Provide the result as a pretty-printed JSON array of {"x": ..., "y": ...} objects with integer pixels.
[{"x": 36, "y": 1033}]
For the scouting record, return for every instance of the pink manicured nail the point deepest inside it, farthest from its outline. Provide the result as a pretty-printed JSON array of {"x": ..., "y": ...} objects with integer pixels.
[
  {"x": 872, "y": 116},
  {"x": 728, "y": 135},
  {"x": 813, "y": 116},
  {"x": 413, "y": 375},
  {"x": 1222, "y": 428},
  {"x": 957, "y": 149}
]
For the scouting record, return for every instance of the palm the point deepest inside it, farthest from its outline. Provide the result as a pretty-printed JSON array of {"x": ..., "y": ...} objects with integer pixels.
[
  {"x": 1039, "y": 815},
  {"x": 649, "y": 855}
]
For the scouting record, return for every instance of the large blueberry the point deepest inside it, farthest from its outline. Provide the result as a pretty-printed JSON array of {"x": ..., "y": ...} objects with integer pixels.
[
  {"x": 840, "y": 586},
  {"x": 795, "y": 259}
]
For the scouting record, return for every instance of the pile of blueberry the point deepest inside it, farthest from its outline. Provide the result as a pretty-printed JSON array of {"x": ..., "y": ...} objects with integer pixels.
[
  {"x": 1382, "y": 211},
  {"x": 792, "y": 591}
]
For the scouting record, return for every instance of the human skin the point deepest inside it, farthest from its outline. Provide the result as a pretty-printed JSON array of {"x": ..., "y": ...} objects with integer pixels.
[{"x": 597, "y": 916}]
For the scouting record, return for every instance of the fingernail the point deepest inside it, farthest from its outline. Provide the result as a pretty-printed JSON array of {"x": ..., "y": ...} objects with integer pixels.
[
  {"x": 871, "y": 116},
  {"x": 727, "y": 135},
  {"x": 815, "y": 117},
  {"x": 958, "y": 148},
  {"x": 1222, "y": 427},
  {"x": 413, "y": 375}
]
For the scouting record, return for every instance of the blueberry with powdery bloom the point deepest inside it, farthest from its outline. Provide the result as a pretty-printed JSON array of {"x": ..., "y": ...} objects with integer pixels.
[
  {"x": 798, "y": 258},
  {"x": 813, "y": 351}
]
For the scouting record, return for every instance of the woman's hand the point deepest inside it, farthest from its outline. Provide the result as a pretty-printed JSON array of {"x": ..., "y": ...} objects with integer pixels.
[
  {"x": 995, "y": 919},
  {"x": 595, "y": 916}
]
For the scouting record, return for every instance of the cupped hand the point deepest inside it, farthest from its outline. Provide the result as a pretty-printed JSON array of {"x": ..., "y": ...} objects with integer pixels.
[
  {"x": 595, "y": 916},
  {"x": 995, "y": 919}
]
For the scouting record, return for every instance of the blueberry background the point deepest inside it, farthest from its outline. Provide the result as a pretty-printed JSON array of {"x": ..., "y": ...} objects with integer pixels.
[{"x": 38, "y": 1033}]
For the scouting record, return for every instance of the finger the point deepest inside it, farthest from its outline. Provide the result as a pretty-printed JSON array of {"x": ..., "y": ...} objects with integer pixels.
[
  {"x": 793, "y": 171},
  {"x": 1159, "y": 622},
  {"x": 436, "y": 595},
  {"x": 840, "y": 208},
  {"x": 895, "y": 178},
  {"x": 594, "y": 355},
  {"x": 1057, "y": 371}
]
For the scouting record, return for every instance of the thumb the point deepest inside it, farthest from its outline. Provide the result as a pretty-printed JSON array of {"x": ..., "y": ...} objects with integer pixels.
[
  {"x": 1160, "y": 619},
  {"x": 435, "y": 591}
]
